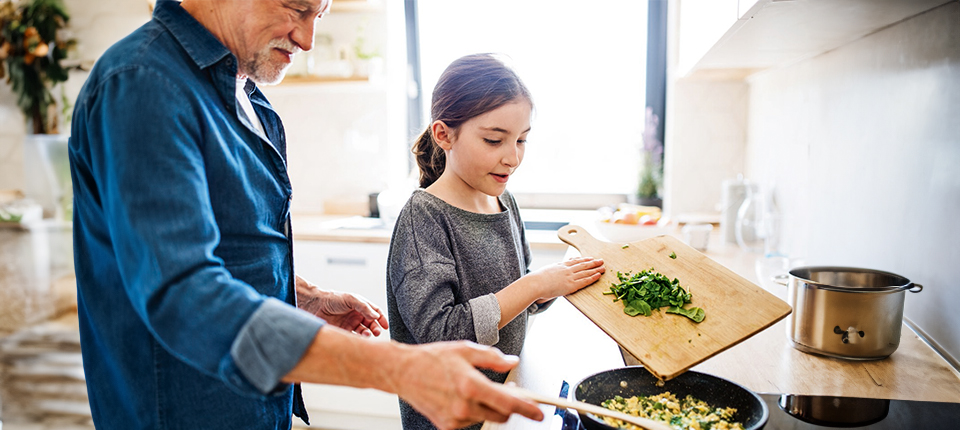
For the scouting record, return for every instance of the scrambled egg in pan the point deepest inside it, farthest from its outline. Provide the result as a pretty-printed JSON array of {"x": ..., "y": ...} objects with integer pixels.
[{"x": 686, "y": 414}]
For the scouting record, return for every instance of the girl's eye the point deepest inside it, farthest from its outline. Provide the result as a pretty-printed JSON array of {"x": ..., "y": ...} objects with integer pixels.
[
  {"x": 521, "y": 141},
  {"x": 491, "y": 141}
]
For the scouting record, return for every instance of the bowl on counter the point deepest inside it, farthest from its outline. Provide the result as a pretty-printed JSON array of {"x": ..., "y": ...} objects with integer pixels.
[
  {"x": 615, "y": 232},
  {"x": 629, "y": 223}
]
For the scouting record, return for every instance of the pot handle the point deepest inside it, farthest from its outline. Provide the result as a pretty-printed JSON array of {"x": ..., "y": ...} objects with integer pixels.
[
  {"x": 782, "y": 279},
  {"x": 915, "y": 288}
]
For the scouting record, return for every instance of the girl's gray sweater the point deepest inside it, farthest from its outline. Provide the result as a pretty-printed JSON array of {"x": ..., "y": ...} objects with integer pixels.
[{"x": 444, "y": 267}]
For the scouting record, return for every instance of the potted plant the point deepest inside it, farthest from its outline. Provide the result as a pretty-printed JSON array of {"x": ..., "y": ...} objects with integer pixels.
[
  {"x": 648, "y": 192},
  {"x": 33, "y": 47}
]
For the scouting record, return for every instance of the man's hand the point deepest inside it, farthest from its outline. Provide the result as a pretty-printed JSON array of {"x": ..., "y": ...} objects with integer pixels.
[
  {"x": 344, "y": 310},
  {"x": 438, "y": 379},
  {"x": 455, "y": 394}
]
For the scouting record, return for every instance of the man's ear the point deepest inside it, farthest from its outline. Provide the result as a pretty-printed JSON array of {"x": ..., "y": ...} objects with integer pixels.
[{"x": 442, "y": 134}]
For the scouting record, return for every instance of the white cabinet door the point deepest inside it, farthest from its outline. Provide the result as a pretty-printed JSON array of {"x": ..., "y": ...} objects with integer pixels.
[{"x": 359, "y": 268}]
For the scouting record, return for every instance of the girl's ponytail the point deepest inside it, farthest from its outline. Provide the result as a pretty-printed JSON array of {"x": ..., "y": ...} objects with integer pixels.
[{"x": 430, "y": 158}]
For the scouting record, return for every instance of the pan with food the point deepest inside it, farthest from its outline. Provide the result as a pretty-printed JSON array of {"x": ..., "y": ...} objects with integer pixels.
[{"x": 626, "y": 382}]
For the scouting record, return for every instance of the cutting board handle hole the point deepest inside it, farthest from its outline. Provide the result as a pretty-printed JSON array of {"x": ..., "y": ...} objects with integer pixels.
[{"x": 572, "y": 232}]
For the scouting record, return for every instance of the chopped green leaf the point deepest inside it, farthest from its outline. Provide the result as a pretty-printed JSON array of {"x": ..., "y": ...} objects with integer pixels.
[
  {"x": 695, "y": 314},
  {"x": 649, "y": 290},
  {"x": 624, "y": 246},
  {"x": 673, "y": 255}
]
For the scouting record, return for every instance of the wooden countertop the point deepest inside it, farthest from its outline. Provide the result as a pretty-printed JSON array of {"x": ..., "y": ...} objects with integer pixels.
[{"x": 563, "y": 345}]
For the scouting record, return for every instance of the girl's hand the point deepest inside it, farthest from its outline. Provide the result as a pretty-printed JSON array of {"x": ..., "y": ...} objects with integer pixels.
[{"x": 566, "y": 277}]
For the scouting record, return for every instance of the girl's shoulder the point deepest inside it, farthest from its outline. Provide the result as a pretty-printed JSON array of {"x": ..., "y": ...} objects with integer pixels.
[
  {"x": 422, "y": 207},
  {"x": 423, "y": 201},
  {"x": 425, "y": 208},
  {"x": 507, "y": 200}
]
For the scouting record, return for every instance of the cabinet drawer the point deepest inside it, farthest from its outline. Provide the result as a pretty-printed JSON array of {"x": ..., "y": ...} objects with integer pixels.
[{"x": 359, "y": 268}]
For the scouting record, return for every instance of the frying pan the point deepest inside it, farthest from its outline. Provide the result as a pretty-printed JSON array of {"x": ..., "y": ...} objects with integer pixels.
[{"x": 636, "y": 381}]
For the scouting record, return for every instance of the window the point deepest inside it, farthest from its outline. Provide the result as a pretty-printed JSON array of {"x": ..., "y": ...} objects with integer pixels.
[{"x": 584, "y": 63}]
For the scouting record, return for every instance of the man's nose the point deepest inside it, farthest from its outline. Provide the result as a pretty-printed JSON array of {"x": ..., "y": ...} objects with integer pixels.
[{"x": 302, "y": 34}]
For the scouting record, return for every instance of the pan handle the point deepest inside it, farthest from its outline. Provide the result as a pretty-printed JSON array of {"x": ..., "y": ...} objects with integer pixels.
[
  {"x": 782, "y": 279},
  {"x": 915, "y": 288}
]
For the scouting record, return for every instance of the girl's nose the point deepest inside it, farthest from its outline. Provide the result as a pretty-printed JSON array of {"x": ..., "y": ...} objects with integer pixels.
[{"x": 512, "y": 156}]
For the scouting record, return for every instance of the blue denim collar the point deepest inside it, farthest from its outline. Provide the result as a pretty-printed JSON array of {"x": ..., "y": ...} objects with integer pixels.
[{"x": 203, "y": 47}]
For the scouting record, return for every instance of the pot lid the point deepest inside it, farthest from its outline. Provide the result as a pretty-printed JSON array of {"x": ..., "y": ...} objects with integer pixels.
[{"x": 852, "y": 279}]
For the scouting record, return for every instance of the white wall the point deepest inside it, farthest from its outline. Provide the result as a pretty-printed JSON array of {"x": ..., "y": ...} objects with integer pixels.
[
  {"x": 96, "y": 25},
  {"x": 344, "y": 140},
  {"x": 863, "y": 143},
  {"x": 706, "y": 128}
]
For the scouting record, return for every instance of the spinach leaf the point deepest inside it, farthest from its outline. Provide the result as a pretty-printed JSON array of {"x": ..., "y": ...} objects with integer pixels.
[
  {"x": 648, "y": 290},
  {"x": 695, "y": 314}
]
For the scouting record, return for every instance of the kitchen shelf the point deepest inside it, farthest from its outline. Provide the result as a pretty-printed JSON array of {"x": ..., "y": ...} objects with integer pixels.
[
  {"x": 357, "y": 6},
  {"x": 301, "y": 79}
]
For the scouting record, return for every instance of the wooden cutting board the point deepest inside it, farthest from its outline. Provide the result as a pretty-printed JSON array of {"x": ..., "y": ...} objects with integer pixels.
[{"x": 669, "y": 344}]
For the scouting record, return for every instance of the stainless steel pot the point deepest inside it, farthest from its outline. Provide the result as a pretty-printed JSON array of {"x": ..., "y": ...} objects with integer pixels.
[{"x": 846, "y": 312}]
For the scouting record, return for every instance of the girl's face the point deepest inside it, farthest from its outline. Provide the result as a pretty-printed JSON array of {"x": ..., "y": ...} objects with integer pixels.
[{"x": 488, "y": 148}]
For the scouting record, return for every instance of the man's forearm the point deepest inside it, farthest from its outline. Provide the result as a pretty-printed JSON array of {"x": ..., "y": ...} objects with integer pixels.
[{"x": 338, "y": 357}]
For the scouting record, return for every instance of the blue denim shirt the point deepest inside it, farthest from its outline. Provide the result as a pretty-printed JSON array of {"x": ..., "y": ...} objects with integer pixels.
[{"x": 183, "y": 250}]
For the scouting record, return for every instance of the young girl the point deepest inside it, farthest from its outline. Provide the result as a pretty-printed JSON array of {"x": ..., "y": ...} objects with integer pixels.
[{"x": 459, "y": 260}]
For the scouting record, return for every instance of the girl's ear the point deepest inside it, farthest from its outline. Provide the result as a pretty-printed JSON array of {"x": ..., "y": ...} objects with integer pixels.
[{"x": 442, "y": 134}]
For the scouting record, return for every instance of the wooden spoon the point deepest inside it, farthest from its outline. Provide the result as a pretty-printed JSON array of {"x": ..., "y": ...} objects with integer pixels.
[{"x": 586, "y": 407}]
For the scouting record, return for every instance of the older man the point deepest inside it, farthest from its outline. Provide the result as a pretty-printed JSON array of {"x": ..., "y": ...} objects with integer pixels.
[{"x": 186, "y": 287}]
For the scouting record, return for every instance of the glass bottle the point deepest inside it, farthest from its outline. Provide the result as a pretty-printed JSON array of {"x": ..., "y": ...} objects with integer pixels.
[
  {"x": 749, "y": 228},
  {"x": 771, "y": 223}
]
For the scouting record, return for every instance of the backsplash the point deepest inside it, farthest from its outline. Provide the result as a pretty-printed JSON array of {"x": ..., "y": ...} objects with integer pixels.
[{"x": 863, "y": 144}]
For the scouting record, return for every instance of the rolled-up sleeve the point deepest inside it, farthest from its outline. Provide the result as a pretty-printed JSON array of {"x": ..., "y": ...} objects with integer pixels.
[
  {"x": 486, "y": 318},
  {"x": 272, "y": 342}
]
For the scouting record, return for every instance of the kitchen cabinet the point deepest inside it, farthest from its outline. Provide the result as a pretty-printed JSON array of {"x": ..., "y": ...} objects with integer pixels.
[
  {"x": 358, "y": 268},
  {"x": 745, "y": 36}
]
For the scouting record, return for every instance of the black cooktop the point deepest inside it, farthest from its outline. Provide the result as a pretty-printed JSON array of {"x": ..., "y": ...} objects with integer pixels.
[{"x": 792, "y": 412}]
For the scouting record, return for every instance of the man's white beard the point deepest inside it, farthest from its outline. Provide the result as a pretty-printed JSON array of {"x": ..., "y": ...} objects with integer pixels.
[{"x": 262, "y": 71}]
